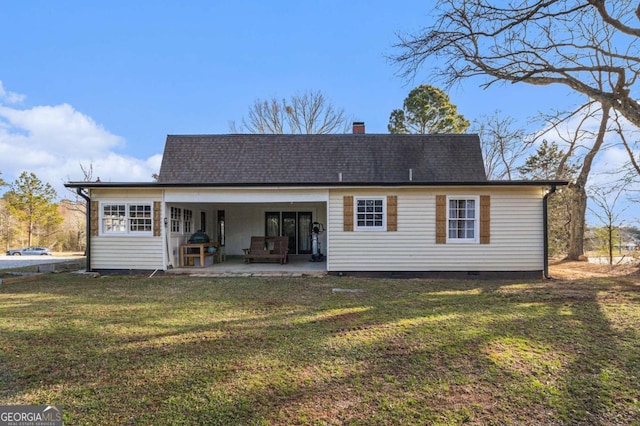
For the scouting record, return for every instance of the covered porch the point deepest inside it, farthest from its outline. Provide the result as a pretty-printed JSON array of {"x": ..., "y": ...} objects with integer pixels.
[
  {"x": 298, "y": 265},
  {"x": 231, "y": 217}
]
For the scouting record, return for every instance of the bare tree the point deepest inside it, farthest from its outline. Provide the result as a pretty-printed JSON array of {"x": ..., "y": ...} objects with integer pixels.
[
  {"x": 77, "y": 210},
  {"x": 582, "y": 143},
  {"x": 78, "y": 203},
  {"x": 586, "y": 45},
  {"x": 589, "y": 46},
  {"x": 503, "y": 145},
  {"x": 621, "y": 129},
  {"x": 605, "y": 199},
  {"x": 304, "y": 113},
  {"x": 266, "y": 117}
]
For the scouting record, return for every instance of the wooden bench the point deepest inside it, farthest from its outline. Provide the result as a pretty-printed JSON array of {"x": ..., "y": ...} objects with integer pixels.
[{"x": 268, "y": 248}]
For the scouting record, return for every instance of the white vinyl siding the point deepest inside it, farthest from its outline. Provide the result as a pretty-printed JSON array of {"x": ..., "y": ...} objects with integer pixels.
[
  {"x": 124, "y": 253},
  {"x": 135, "y": 250},
  {"x": 516, "y": 234}
]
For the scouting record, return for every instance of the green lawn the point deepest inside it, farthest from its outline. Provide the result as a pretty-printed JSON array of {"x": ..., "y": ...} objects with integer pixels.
[{"x": 274, "y": 351}]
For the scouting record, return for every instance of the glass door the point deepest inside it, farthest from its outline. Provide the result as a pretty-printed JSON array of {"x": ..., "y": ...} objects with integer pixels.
[
  {"x": 295, "y": 225},
  {"x": 289, "y": 230},
  {"x": 272, "y": 224},
  {"x": 304, "y": 236}
]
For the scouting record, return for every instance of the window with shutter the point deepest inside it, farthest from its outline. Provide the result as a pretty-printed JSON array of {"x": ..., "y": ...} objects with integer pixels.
[
  {"x": 392, "y": 213},
  {"x": 370, "y": 213},
  {"x": 463, "y": 219},
  {"x": 485, "y": 219},
  {"x": 348, "y": 213},
  {"x": 441, "y": 219},
  {"x": 95, "y": 220},
  {"x": 156, "y": 218}
]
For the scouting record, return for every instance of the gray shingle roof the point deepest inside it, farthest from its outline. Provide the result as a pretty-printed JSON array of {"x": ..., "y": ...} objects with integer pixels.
[{"x": 319, "y": 159}]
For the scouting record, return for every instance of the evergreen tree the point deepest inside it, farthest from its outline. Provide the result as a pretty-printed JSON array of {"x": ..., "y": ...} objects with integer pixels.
[
  {"x": 427, "y": 109},
  {"x": 548, "y": 164},
  {"x": 31, "y": 202}
]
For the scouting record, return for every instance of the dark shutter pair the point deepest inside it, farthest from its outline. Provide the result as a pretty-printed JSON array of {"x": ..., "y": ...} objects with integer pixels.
[
  {"x": 441, "y": 219},
  {"x": 441, "y": 216},
  {"x": 392, "y": 213}
]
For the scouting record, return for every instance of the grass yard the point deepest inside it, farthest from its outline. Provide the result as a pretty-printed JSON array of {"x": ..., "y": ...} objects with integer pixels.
[{"x": 286, "y": 351}]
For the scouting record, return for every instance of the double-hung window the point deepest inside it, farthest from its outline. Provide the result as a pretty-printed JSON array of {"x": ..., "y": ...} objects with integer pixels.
[
  {"x": 140, "y": 218},
  {"x": 370, "y": 213},
  {"x": 188, "y": 221},
  {"x": 123, "y": 218},
  {"x": 176, "y": 217},
  {"x": 462, "y": 219},
  {"x": 114, "y": 218}
]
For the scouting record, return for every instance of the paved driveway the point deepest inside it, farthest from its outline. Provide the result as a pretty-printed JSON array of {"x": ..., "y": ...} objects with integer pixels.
[{"x": 8, "y": 262}]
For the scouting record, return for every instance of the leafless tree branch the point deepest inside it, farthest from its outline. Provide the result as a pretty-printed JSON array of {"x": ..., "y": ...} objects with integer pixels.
[{"x": 573, "y": 43}]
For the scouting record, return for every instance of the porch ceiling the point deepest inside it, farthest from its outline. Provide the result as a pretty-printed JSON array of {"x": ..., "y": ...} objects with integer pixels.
[{"x": 246, "y": 196}]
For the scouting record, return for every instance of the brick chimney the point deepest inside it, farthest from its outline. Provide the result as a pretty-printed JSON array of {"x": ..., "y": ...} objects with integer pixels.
[{"x": 358, "y": 127}]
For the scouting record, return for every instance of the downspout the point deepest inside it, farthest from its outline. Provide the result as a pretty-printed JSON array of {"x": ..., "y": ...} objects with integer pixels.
[
  {"x": 88, "y": 226},
  {"x": 168, "y": 258},
  {"x": 545, "y": 205}
]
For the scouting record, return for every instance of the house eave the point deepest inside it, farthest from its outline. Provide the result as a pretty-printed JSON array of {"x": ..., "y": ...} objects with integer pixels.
[{"x": 327, "y": 185}]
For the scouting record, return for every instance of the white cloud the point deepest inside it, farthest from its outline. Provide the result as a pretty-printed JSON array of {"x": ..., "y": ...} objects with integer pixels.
[
  {"x": 53, "y": 141},
  {"x": 10, "y": 97}
]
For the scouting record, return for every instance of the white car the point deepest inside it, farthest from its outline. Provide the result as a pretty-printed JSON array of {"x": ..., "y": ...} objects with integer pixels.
[{"x": 30, "y": 251}]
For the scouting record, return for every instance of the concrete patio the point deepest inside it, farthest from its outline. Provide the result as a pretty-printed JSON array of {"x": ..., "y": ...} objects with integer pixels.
[{"x": 298, "y": 265}]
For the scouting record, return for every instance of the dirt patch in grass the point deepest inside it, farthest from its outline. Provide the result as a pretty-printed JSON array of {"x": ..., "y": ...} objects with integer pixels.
[{"x": 572, "y": 270}]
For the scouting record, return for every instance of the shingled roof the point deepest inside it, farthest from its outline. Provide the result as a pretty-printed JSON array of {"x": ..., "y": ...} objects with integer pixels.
[{"x": 321, "y": 159}]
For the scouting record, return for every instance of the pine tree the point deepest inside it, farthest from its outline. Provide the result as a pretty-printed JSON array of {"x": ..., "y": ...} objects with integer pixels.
[
  {"x": 548, "y": 164},
  {"x": 31, "y": 202}
]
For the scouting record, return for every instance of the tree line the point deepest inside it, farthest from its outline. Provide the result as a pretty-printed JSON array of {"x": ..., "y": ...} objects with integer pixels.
[{"x": 31, "y": 215}]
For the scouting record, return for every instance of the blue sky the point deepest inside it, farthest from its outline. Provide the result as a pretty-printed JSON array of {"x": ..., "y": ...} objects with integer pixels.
[{"x": 105, "y": 82}]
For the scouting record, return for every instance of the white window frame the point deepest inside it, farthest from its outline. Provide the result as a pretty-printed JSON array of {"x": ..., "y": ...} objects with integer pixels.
[
  {"x": 187, "y": 221},
  {"x": 108, "y": 228},
  {"x": 365, "y": 228},
  {"x": 125, "y": 228},
  {"x": 175, "y": 222},
  {"x": 476, "y": 219}
]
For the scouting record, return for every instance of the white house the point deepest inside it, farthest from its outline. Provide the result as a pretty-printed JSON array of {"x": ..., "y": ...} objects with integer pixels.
[{"x": 390, "y": 204}]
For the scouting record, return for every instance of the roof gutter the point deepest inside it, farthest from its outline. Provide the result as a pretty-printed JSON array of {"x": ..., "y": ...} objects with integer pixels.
[
  {"x": 80, "y": 192},
  {"x": 338, "y": 184},
  {"x": 545, "y": 214}
]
